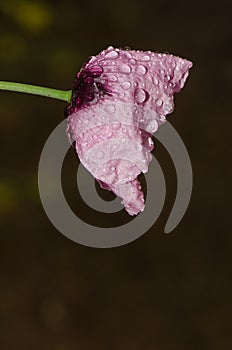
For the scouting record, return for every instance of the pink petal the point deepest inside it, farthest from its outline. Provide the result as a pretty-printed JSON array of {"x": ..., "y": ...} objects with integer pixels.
[{"x": 120, "y": 98}]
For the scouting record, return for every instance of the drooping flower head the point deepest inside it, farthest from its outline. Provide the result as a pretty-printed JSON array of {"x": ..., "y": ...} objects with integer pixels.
[{"x": 120, "y": 98}]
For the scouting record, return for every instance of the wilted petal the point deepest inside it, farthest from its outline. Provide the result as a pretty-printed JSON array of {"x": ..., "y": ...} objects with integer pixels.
[{"x": 120, "y": 98}]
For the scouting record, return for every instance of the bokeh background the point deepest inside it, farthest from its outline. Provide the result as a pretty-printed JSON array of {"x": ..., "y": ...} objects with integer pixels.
[{"x": 161, "y": 292}]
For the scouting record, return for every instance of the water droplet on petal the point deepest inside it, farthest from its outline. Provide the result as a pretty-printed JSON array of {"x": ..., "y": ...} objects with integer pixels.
[
  {"x": 159, "y": 102},
  {"x": 100, "y": 155},
  {"x": 110, "y": 108},
  {"x": 121, "y": 95},
  {"x": 152, "y": 125},
  {"x": 145, "y": 58},
  {"x": 162, "y": 118},
  {"x": 132, "y": 61},
  {"x": 112, "y": 168},
  {"x": 162, "y": 72},
  {"x": 112, "y": 77},
  {"x": 126, "y": 85},
  {"x": 96, "y": 71},
  {"x": 168, "y": 107},
  {"x": 155, "y": 81},
  {"x": 128, "y": 54},
  {"x": 124, "y": 68},
  {"x": 141, "y": 95},
  {"x": 173, "y": 64},
  {"x": 150, "y": 142},
  {"x": 141, "y": 70},
  {"x": 111, "y": 54},
  {"x": 116, "y": 125}
]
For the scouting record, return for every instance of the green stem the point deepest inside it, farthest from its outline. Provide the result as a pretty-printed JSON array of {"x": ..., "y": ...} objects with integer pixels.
[{"x": 37, "y": 90}]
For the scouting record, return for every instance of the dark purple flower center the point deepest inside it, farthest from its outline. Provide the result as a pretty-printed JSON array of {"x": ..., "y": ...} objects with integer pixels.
[{"x": 87, "y": 89}]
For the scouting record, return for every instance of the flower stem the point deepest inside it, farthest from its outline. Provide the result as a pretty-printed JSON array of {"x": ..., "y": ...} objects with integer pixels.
[{"x": 37, "y": 90}]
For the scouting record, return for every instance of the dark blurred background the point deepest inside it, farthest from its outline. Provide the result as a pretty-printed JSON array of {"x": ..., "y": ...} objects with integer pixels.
[{"x": 161, "y": 292}]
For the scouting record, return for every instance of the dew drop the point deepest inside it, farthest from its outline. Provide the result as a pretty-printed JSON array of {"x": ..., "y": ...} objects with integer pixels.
[
  {"x": 141, "y": 70},
  {"x": 112, "y": 77},
  {"x": 141, "y": 95},
  {"x": 126, "y": 85},
  {"x": 155, "y": 81},
  {"x": 162, "y": 71},
  {"x": 132, "y": 61},
  {"x": 145, "y": 58},
  {"x": 159, "y": 102},
  {"x": 150, "y": 142},
  {"x": 110, "y": 108},
  {"x": 124, "y": 68},
  {"x": 128, "y": 54},
  {"x": 112, "y": 168},
  {"x": 152, "y": 125},
  {"x": 96, "y": 71},
  {"x": 116, "y": 125},
  {"x": 168, "y": 107},
  {"x": 111, "y": 54},
  {"x": 121, "y": 95},
  {"x": 162, "y": 118}
]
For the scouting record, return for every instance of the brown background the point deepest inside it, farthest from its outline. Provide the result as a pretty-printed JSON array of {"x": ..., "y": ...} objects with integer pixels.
[{"x": 161, "y": 292}]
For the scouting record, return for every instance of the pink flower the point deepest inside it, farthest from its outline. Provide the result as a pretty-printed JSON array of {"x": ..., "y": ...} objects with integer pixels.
[{"x": 120, "y": 98}]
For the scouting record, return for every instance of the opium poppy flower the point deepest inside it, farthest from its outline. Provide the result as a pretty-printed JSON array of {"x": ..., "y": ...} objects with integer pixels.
[{"x": 119, "y": 99}]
